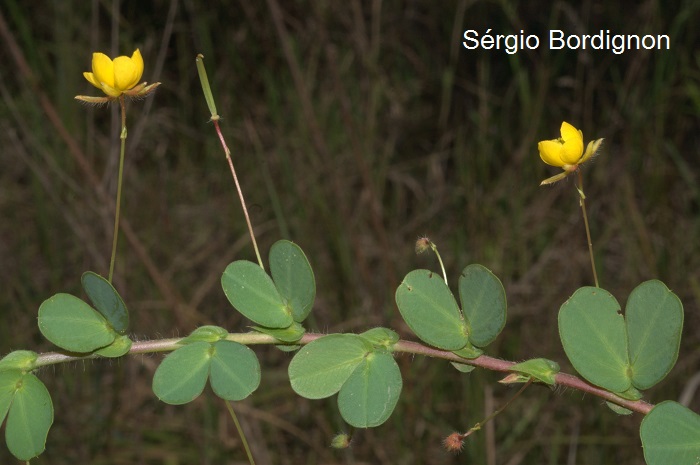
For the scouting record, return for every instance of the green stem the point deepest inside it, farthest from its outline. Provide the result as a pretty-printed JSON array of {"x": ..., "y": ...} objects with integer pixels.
[
  {"x": 115, "y": 238},
  {"x": 588, "y": 229},
  {"x": 434, "y": 248},
  {"x": 240, "y": 432}
]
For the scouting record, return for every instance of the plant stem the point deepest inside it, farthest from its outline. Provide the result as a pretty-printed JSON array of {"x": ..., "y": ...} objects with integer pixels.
[
  {"x": 478, "y": 426},
  {"x": 240, "y": 192},
  {"x": 582, "y": 202},
  {"x": 115, "y": 238},
  {"x": 240, "y": 432},
  {"x": 408, "y": 347},
  {"x": 442, "y": 265}
]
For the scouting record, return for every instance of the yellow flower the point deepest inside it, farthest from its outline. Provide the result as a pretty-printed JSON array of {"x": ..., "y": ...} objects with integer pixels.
[
  {"x": 566, "y": 152},
  {"x": 117, "y": 77}
]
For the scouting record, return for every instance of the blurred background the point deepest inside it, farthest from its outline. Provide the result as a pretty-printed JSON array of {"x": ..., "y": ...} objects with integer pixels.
[{"x": 356, "y": 127}]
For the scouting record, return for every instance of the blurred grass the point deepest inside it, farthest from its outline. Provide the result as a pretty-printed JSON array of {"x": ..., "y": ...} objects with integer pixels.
[{"x": 355, "y": 128}]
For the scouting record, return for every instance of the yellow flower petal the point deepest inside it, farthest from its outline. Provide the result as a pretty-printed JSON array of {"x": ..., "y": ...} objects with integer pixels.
[
  {"x": 103, "y": 69},
  {"x": 127, "y": 71},
  {"x": 550, "y": 151},
  {"x": 572, "y": 148},
  {"x": 91, "y": 79}
]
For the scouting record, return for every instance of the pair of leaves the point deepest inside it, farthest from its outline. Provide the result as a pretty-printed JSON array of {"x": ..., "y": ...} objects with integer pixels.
[
  {"x": 431, "y": 311},
  {"x": 26, "y": 403},
  {"x": 232, "y": 369},
  {"x": 75, "y": 326},
  {"x": 360, "y": 368},
  {"x": 279, "y": 302},
  {"x": 622, "y": 354}
]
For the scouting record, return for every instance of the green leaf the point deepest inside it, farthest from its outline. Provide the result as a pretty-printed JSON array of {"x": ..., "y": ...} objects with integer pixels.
[
  {"x": 540, "y": 369},
  {"x": 321, "y": 367},
  {"x": 252, "y": 292},
  {"x": 235, "y": 370},
  {"x": 618, "y": 409},
  {"x": 463, "y": 367},
  {"x": 291, "y": 334},
  {"x": 430, "y": 310},
  {"x": 120, "y": 346},
  {"x": 106, "y": 300},
  {"x": 9, "y": 381},
  {"x": 29, "y": 419},
  {"x": 592, "y": 331},
  {"x": 370, "y": 394},
  {"x": 22, "y": 360},
  {"x": 181, "y": 376},
  {"x": 671, "y": 435},
  {"x": 654, "y": 317},
  {"x": 73, "y": 325},
  {"x": 293, "y": 277},
  {"x": 381, "y": 337},
  {"x": 469, "y": 351},
  {"x": 483, "y": 303},
  {"x": 206, "y": 333}
]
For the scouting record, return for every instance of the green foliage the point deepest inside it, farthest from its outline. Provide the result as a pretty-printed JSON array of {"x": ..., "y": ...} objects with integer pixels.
[
  {"x": 370, "y": 394},
  {"x": 293, "y": 277},
  {"x": 321, "y": 367},
  {"x": 366, "y": 377},
  {"x": 27, "y": 404},
  {"x": 540, "y": 369},
  {"x": 106, "y": 300},
  {"x": 232, "y": 368},
  {"x": 654, "y": 317},
  {"x": 275, "y": 302},
  {"x": 22, "y": 360},
  {"x": 292, "y": 333},
  {"x": 73, "y": 325},
  {"x": 253, "y": 293},
  {"x": 483, "y": 302},
  {"x": 618, "y": 355},
  {"x": 671, "y": 435},
  {"x": 431, "y": 311}
]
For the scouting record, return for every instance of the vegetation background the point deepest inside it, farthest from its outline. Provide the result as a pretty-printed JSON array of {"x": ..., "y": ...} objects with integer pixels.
[{"x": 356, "y": 127}]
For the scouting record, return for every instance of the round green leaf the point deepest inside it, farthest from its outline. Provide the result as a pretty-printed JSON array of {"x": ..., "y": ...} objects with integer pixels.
[
  {"x": 321, "y": 367},
  {"x": 106, "y": 300},
  {"x": 9, "y": 381},
  {"x": 654, "y": 317},
  {"x": 235, "y": 370},
  {"x": 73, "y": 325},
  {"x": 22, "y": 360},
  {"x": 592, "y": 331},
  {"x": 120, "y": 346},
  {"x": 252, "y": 292},
  {"x": 293, "y": 277},
  {"x": 671, "y": 435},
  {"x": 483, "y": 303},
  {"x": 430, "y": 310},
  {"x": 181, "y": 376},
  {"x": 370, "y": 394},
  {"x": 29, "y": 419}
]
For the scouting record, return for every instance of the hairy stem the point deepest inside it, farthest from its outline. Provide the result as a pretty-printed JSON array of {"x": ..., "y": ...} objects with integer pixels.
[{"x": 408, "y": 347}]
